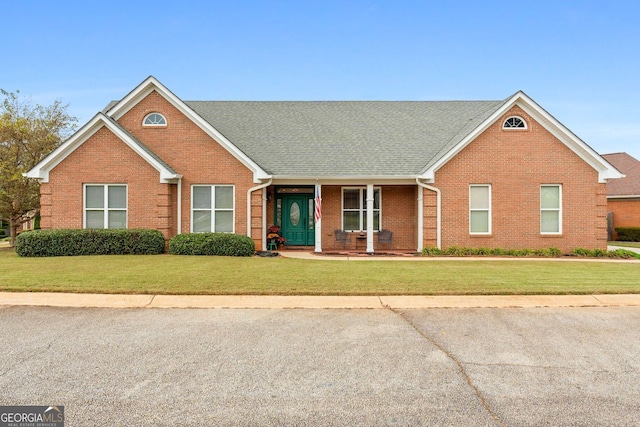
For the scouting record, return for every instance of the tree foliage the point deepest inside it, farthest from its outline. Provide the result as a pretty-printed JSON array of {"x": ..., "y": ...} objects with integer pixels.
[{"x": 28, "y": 133}]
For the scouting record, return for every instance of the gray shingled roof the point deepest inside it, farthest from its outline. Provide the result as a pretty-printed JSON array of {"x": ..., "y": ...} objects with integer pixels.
[{"x": 344, "y": 138}]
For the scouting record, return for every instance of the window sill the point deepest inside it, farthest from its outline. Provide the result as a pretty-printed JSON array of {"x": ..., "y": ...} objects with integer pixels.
[
  {"x": 481, "y": 235},
  {"x": 552, "y": 235}
]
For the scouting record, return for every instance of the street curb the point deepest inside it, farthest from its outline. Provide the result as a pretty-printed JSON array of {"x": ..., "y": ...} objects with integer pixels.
[{"x": 47, "y": 299}]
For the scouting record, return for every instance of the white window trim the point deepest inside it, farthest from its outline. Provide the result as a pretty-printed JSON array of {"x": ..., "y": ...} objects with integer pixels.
[
  {"x": 363, "y": 207},
  {"x": 214, "y": 209},
  {"x": 559, "y": 210},
  {"x": 154, "y": 124},
  {"x": 526, "y": 126},
  {"x": 488, "y": 210},
  {"x": 106, "y": 208}
]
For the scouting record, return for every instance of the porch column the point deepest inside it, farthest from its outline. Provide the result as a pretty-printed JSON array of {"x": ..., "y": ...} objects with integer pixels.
[
  {"x": 370, "y": 200},
  {"x": 318, "y": 227},
  {"x": 420, "y": 219}
]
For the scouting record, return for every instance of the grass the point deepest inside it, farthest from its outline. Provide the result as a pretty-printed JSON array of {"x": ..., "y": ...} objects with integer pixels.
[{"x": 171, "y": 274}]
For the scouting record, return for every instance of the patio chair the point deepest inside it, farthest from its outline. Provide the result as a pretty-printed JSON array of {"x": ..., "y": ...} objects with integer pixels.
[
  {"x": 385, "y": 237},
  {"x": 342, "y": 238}
]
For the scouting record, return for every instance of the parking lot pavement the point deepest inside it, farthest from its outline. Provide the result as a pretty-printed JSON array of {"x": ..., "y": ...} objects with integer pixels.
[{"x": 528, "y": 366}]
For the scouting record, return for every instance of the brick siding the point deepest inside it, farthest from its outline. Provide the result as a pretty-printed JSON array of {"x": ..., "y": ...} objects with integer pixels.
[
  {"x": 515, "y": 163},
  {"x": 104, "y": 158}
]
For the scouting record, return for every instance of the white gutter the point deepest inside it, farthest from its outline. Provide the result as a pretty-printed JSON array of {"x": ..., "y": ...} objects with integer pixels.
[
  {"x": 421, "y": 216},
  {"x": 264, "y": 211}
]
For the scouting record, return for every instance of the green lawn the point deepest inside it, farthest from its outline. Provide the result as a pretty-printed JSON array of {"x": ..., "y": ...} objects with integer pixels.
[{"x": 169, "y": 274}]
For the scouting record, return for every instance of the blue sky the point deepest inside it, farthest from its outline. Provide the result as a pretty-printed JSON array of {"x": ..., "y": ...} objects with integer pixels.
[{"x": 578, "y": 59}]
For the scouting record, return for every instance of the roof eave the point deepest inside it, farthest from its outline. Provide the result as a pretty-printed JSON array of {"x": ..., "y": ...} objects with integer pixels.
[
  {"x": 624, "y": 196},
  {"x": 343, "y": 179}
]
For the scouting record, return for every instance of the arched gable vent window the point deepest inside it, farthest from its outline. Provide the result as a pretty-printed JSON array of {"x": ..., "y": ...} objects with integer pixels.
[
  {"x": 154, "y": 119},
  {"x": 514, "y": 122}
]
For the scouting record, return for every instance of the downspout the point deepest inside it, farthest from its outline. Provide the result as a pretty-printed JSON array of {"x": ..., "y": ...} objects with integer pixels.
[
  {"x": 421, "y": 216},
  {"x": 264, "y": 211},
  {"x": 179, "y": 229}
]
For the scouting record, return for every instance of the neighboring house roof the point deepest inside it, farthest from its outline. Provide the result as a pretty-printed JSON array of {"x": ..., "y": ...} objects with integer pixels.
[
  {"x": 341, "y": 139},
  {"x": 629, "y": 186}
]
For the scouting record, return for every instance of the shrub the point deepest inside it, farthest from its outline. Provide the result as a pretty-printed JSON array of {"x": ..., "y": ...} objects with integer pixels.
[
  {"x": 581, "y": 252},
  {"x": 456, "y": 251},
  {"x": 624, "y": 254},
  {"x": 431, "y": 251},
  {"x": 544, "y": 252},
  {"x": 71, "y": 242},
  {"x": 223, "y": 244},
  {"x": 628, "y": 234},
  {"x": 547, "y": 252}
]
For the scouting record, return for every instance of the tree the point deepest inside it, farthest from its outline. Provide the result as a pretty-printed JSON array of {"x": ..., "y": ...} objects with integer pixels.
[{"x": 28, "y": 133}]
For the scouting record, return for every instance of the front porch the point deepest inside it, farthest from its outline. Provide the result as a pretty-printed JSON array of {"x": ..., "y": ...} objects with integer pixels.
[
  {"x": 361, "y": 211},
  {"x": 309, "y": 253}
]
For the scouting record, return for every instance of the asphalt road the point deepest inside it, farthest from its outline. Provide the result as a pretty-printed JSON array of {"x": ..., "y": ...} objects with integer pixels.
[{"x": 202, "y": 367}]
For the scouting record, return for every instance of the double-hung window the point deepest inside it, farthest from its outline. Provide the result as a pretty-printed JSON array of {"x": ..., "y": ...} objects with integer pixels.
[
  {"x": 480, "y": 209},
  {"x": 105, "y": 206},
  {"x": 212, "y": 208},
  {"x": 354, "y": 209},
  {"x": 551, "y": 209}
]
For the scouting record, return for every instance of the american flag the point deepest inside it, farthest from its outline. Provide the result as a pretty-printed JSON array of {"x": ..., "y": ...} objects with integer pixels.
[{"x": 318, "y": 211}]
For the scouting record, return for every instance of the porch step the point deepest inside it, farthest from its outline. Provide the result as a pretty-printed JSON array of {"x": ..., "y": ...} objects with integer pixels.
[{"x": 298, "y": 248}]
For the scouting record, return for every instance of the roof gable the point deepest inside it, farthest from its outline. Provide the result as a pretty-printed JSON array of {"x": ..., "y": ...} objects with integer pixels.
[
  {"x": 100, "y": 120},
  {"x": 605, "y": 170},
  {"x": 332, "y": 140},
  {"x": 120, "y": 108}
]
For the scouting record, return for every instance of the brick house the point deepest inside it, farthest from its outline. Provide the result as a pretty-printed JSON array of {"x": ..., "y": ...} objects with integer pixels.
[
  {"x": 469, "y": 173},
  {"x": 623, "y": 195}
]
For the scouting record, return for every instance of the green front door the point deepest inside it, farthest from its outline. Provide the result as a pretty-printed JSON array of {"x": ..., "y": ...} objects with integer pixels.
[{"x": 297, "y": 219}]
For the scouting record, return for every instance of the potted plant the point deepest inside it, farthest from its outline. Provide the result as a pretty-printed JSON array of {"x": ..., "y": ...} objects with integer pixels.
[{"x": 274, "y": 236}]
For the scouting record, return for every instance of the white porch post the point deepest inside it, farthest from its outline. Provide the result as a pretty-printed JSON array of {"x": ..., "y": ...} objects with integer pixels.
[
  {"x": 318, "y": 229},
  {"x": 420, "y": 219},
  {"x": 370, "y": 200}
]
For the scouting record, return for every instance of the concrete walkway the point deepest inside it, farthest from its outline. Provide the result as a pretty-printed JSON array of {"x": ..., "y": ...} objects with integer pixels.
[
  {"x": 613, "y": 248},
  {"x": 273, "y": 301}
]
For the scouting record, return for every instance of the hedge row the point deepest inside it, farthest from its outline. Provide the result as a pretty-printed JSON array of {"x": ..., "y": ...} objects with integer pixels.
[
  {"x": 70, "y": 242},
  {"x": 628, "y": 234},
  {"x": 222, "y": 244},
  {"x": 462, "y": 251},
  {"x": 545, "y": 252}
]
